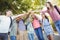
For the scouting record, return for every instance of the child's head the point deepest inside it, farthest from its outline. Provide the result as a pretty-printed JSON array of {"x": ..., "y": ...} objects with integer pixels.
[
  {"x": 34, "y": 17},
  {"x": 49, "y": 5},
  {"x": 8, "y": 13},
  {"x": 18, "y": 18},
  {"x": 31, "y": 16},
  {"x": 44, "y": 16}
]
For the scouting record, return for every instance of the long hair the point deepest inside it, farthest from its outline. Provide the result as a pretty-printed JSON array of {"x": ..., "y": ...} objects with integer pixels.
[
  {"x": 50, "y": 5},
  {"x": 7, "y": 11},
  {"x": 45, "y": 17}
]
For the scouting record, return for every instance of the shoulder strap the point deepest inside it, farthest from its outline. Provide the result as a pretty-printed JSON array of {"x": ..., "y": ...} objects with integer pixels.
[{"x": 11, "y": 22}]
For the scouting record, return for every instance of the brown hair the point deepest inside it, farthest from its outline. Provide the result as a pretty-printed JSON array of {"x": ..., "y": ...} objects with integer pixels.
[
  {"x": 7, "y": 10},
  {"x": 50, "y": 4}
]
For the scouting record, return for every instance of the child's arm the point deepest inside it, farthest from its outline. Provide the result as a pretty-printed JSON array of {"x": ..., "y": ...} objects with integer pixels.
[{"x": 43, "y": 11}]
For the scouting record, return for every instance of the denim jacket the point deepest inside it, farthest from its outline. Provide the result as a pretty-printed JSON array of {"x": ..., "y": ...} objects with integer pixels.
[{"x": 13, "y": 31}]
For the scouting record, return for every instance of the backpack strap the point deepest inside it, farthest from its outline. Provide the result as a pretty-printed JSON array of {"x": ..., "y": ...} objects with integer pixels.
[
  {"x": 10, "y": 26},
  {"x": 57, "y": 9},
  {"x": 11, "y": 22}
]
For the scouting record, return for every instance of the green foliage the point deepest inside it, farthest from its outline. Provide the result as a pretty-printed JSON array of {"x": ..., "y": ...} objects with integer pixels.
[
  {"x": 18, "y": 6},
  {"x": 5, "y": 4},
  {"x": 58, "y": 2}
]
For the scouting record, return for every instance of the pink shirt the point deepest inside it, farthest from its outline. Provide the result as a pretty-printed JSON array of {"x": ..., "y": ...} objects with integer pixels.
[
  {"x": 54, "y": 15},
  {"x": 36, "y": 23}
]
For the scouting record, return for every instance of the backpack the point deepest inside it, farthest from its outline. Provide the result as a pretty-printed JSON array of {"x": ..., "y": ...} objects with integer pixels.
[{"x": 57, "y": 9}]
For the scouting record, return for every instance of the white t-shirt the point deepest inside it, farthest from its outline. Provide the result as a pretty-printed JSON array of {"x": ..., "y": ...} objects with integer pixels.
[{"x": 4, "y": 24}]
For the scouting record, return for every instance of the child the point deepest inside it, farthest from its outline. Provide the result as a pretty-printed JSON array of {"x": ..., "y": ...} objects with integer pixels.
[
  {"x": 47, "y": 27},
  {"x": 13, "y": 31},
  {"x": 37, "y": 28},
  {"x": 30, "y": 29},
  {"x": 22, "y": 30},
  {"x": 53, "y": 14}
]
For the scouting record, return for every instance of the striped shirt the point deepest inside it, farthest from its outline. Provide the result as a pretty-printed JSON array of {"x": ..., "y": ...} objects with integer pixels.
[{"x": 54, "y": 15}]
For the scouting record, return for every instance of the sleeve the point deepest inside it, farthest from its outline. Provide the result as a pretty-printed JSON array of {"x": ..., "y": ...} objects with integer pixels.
[{"x": 43, "y": 11}]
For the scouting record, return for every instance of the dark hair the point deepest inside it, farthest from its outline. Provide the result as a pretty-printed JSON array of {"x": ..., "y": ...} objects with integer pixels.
[
  {"x": 50, "y": 5},
  {"x": 46, "y": 17},
  {"x": 7, "y": 11}
]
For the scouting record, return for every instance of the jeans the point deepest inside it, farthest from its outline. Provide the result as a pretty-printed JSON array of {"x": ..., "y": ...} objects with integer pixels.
[
  {"x": 12, "y": 37},
  {"x": 57, "y": 25},
  {"x": 39, "y": 33},
  {"x": 31, "y": 36},
  {"x": 3, "y": 36}
]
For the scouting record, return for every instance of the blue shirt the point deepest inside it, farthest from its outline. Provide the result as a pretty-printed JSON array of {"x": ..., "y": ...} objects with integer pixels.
[
  {"x": 22, "y": 26},
  {"x": 46, "y": 22}
]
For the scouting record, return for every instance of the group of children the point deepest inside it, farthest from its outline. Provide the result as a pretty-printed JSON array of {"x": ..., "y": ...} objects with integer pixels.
[
  {"x": 30, "y": 26},
  {"x": 34, "y": 25}
]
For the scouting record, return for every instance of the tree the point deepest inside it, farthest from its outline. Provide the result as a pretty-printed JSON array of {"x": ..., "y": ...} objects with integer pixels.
[
  {"x": 18, "y": 6},
  {"x": 56, "y": 2}
]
